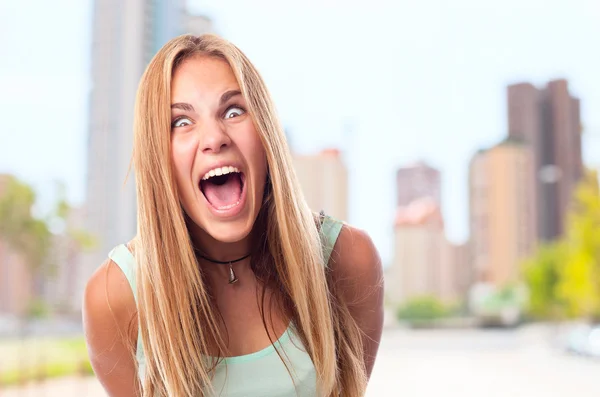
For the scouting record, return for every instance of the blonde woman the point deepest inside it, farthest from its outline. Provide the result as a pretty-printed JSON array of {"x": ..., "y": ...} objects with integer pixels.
[{"x": 232, "y": 286}]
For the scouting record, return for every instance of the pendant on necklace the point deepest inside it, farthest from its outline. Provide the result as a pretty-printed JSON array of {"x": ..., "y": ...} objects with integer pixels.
[{"x": 232, "y": 278}]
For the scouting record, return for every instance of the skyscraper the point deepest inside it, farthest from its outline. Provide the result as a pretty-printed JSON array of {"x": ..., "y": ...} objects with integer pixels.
[
  {"x": 456, "y": 273},
  {"x": 324, "y": 181},
  {"x": 549, "y": 121},
  {"x": 502, "y": 216},
  {"x": 418, "y": 252},
  {"x": 425, "y": 262},
  {"x": 125, "y": 37},
  {"x": 417, "y": 181}
]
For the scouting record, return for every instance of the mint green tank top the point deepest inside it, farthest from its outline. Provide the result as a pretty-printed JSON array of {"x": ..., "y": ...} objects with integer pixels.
[{"x": 262, "y": 373}]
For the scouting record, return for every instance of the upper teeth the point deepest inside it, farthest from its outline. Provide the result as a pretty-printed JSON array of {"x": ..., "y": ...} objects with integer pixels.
[{"x": 219, "y": 171}]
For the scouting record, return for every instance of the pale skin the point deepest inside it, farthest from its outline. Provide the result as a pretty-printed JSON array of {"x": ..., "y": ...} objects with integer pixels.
[{"x": 211, "y": 127}]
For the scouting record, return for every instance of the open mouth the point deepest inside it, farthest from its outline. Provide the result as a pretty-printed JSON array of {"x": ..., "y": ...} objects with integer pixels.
[{"x": 223, "y": 187}]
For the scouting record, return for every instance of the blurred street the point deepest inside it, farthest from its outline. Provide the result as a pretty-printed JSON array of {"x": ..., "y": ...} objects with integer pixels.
[
  {"x": 470, "y": 363},
  {"x": 465, "y": 363}
]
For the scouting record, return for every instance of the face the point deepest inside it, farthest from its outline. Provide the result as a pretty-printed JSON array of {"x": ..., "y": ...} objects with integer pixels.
[{"x": 219, "y": 161}]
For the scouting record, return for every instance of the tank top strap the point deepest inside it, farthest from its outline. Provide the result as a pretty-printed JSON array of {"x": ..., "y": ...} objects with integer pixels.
[
  {"x": 330, "y": 231},
  {"x": 125, "y": 260}
]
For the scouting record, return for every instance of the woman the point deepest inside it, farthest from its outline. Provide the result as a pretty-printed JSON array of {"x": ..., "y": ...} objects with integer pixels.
[{"x": 232, "y": 286}]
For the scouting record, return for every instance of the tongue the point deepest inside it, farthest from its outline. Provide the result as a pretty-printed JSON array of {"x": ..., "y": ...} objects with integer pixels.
[{"x": 225, "y": 194}]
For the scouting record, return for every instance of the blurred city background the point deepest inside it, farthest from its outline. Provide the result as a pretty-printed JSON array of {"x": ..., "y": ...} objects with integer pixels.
[{"x": 464, "y": 136}]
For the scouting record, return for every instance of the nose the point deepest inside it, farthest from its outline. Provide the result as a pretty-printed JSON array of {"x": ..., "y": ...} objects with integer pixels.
[{"x": 214, "y": 138}]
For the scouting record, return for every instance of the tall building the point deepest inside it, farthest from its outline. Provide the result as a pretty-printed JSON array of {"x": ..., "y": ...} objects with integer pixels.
[
  {"x": 16, "y": 282},
  {"x": 324, "y": 181},
  {"x": 548, "y": 119},
  {"x": 418, "y": 252},
  {"x": 502, "y": 211},
  {"x": 417, "y": 181},
  {"x": 425, "y": 262},
  {"x": 125, "y": 37},
  {"x": 455, "y": 272},
  {"x": 461, "y": 258}
]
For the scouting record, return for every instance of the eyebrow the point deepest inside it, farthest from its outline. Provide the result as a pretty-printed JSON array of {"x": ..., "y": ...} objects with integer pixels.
[
  {"x": 228, "y": 95},
  {"x": 186, "y": 107}
]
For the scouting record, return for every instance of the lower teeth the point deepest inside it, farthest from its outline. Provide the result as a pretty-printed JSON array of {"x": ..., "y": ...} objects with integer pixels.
[{"x": 226, "y": 207}]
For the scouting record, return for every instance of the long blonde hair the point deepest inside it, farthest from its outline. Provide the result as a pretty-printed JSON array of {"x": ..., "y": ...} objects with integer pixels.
[{"x": 177, "y": 320}]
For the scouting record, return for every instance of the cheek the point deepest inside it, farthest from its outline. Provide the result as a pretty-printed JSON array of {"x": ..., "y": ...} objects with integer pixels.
[
  {"x": 258, "y": 154},
  {"x": 182, "y": 154}
]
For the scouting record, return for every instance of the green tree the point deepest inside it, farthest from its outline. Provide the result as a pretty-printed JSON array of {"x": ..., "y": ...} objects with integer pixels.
[
  {"x": 564, "y": 277},
  {"x": 579, "y": 281},
  {"x": 33, "y": 237},
  {"x": 24, "y": 233},
  {"x": 422, "y": 309},
  {"x": 541, "y": 275}
]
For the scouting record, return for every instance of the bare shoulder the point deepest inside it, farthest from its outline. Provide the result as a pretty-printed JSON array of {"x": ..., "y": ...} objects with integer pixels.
[
  {"x": 356, "y": 258},
  {"x": 357, "y": 271},
  {"x": 110, "y": 326},
  {"x": 108, "y": 296}
]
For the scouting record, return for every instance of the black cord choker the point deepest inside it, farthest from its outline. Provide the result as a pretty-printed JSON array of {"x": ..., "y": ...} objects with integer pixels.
[{"x": 232, "y": 278}]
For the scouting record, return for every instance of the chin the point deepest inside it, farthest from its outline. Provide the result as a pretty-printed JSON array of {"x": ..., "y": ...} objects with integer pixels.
[{"x": 228, "y": 232}]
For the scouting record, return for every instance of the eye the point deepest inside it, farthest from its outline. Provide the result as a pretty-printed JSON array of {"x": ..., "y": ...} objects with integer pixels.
[
  {"x": 181, "y": 122},
  {"x": 234, "y": 111}
]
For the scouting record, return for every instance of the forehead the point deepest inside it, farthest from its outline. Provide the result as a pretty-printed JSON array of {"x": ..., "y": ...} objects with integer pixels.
[{"x": 202, "y": 74}]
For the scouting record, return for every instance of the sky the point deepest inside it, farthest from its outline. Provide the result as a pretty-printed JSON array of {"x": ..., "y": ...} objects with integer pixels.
[{"x": 388, "y": 82}]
